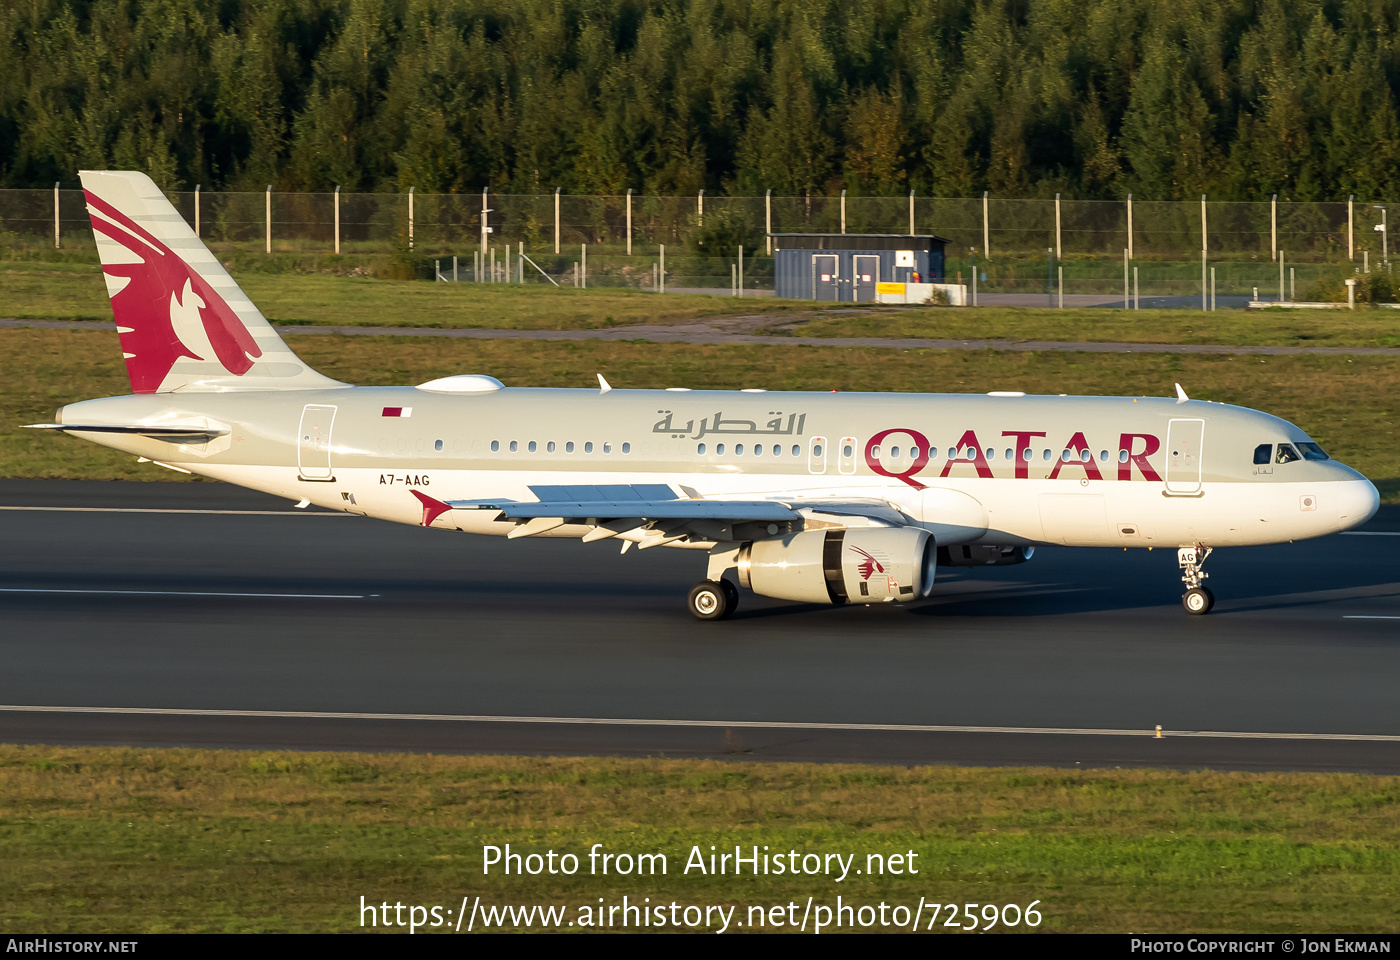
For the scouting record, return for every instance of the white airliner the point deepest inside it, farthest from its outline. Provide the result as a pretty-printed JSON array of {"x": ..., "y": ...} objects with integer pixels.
[{"x": 816, "y": 497}]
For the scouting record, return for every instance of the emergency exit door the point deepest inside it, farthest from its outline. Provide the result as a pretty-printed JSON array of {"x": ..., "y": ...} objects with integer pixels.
[
  {"x": 826, "y": 277},
  {"x": 867, "y": 275},
  {"x": 314, "y": 443}
]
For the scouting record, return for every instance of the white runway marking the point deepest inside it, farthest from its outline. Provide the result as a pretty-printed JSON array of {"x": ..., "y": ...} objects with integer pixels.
[
  {"x": 749, "y": 724},
  {"x": 196, "y": 593},
  {"x": 230, "y": 513}
]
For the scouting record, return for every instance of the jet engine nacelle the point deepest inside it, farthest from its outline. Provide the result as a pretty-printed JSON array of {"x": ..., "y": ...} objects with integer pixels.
[
  {"x": 983, "y": 555},
  {"x": 860, "y": 565}
]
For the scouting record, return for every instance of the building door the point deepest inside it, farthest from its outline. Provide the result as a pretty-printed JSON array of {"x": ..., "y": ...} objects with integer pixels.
[
  {"x": 314, "y": 443},
  {"x": 867, "y": 275},
  {"x": 1185, "y": 438},
  {"x": 826, "y": 277}
]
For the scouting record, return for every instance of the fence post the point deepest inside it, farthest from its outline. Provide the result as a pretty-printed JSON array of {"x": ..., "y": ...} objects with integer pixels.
[
  {"x": 700, "y": 209},
  {"x": 585, "y": 266},
  {"x": 1125, "y": 278},
  {"x": 629, "y": 221},
  {"x": 661, "y": 287},
  {"x": 911, "y": 213},
  {"x": 741, "y": 271},
  {"x": 1204, "y": 248},
  {"x": 337, "y": 230},
  {"x": 196, "y": 211},
  {"x": 410, "y": 218},
  {"x": 1058, "y": 252},
  {"x": 768, "y": 221},
  {"x": 556, "y": 219},
  {"x": 1273, "y": 226},
  {"x": 485, "y": 226},
  {"x": 267, "y": 216},
  {"x": 986, "y": 230},
  {"x": 1280, "y": 276},
  {"x": 843, "y": 211},
  {"x": 55, "y": 215},
  {"x": 520, "y": 263},
  {"x": 1130, "y": 226},
  {"x": 1351, "y": 250}
]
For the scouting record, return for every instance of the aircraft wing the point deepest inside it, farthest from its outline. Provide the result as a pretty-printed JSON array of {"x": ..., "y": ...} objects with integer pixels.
[{"x": 663, "y": 514}]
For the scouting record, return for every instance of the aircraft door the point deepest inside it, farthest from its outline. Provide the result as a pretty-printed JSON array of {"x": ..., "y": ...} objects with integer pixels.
[
  {"x": 1185, "y": 439},
  {"x": 826, "y": 277},
  {"x": 314, "y": 443},
  {"x": 867, "y": 275}
]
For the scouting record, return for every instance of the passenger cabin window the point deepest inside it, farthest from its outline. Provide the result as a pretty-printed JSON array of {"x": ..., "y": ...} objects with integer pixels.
[
  {"x": 1263, "y": 453},
  {"x": 495, "y": 446},
  {"x": 1286, "y": 454},
  {"x": 1312, "y": 451}
]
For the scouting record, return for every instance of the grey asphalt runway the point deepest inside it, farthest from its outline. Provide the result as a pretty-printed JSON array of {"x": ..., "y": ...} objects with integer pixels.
[{"x": 262, "y": 626}]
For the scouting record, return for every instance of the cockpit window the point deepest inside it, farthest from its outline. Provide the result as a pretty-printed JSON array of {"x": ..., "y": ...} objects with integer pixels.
[
  {"x": 1312, "y": 451},
  {"x": 1286, "y": 454},
  {"x": 1264, "y": 453}
]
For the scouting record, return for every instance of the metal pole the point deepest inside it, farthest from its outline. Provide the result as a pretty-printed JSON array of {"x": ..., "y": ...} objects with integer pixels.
[
  {"x": 585, "y": 265},
  {"x": 1130, "y": 226},
  {"x": 337, "y": 219},
  {"x": 55, "y": 215},
  {"x": 974, "y": 277},
  {"x": 520, "y": 263},
  {"x": 1385, "y": 240},
  {"x": 1062, "y": 287},
  {"x": 1292, "y": 285},
  {"x": 1212, "y": 289},
  {"x": 1273, "y": 226},
  {"x": 700, "y": 209},
  {"x": 196, "y": 213},
  {"x": 1049, "y": 276},
  {"x": 986, "y": 230},
  {"x": 1125, "y": 278},
  {"x": 629, "y": 221},
  {"x": 1204, "y": 251},
  {"x": 733, "y": 280},
  {"x": 267, "y": 215},
  {"x": 843, "y": 211},
  {"x": 768, "y": 221},
  {"x": 1058, "y": 252},
  {"x": 1137, "y": 297},
  {"x": 485, "y": 226},
  {"x": 454, "y": 269},
  {"x": 911, "y": 213},
  {"x": 556, "y": 219},
  {"x": 741, "y": 271},
  {"x": 410, "y": 218},
  {"x": 1351, "y": 249},
  {"x": 661, "y": 286},
  {"x": 1280, "y": 276}
]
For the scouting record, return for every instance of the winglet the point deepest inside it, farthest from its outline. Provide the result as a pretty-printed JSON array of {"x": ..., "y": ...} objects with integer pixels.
[
  {"x": 603, "y": 385},
  {"x": 1181, "y": 396},
  {"x": 432, "y": 509}
]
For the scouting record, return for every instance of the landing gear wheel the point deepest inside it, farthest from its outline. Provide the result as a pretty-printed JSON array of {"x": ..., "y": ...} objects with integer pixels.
[
  {"x": 1198, "y": 601},
  {"x": 731, "y": 593},
  {"x": 710, "y": 601}
]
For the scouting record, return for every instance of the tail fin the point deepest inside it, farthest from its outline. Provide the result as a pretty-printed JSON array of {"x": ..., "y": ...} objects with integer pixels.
[{"x": 183, "y": 322}]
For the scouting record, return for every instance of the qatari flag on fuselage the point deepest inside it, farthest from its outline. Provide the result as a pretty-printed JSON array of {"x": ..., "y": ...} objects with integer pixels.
[{"x": 397, "y": 412}]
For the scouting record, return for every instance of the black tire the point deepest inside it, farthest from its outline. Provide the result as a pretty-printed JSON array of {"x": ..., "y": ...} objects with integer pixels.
[
  {"x": 708, "y": 601},
  {"x": 1198, "y": 601},
  {"x": 731, "y": 593}
]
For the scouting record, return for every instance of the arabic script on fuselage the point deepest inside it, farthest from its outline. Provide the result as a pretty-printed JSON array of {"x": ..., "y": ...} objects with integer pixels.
[{"x": 777, "y": 426}]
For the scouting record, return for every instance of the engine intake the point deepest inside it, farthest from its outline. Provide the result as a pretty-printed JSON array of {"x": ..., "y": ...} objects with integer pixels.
[{"x": 859, "y": 565}]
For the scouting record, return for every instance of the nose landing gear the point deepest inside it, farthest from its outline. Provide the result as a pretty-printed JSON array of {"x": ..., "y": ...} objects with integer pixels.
[{"x": 1198, "y": 600}]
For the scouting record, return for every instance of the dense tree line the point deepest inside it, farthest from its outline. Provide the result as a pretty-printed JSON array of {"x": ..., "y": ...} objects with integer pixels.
[{"x": 1163, "y": 99}]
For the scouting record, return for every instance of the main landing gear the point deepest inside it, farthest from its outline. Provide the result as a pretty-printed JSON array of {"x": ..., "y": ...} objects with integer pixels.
[
  {"x": 713, "y": 599},
  {"x": 1198, "y": 599}
]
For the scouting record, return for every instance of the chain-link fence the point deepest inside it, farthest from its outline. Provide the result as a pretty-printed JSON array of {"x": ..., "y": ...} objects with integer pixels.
[{"x": 1011, "y": 247}]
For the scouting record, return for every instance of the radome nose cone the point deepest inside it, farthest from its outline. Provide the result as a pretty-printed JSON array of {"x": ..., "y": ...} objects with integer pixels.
[{"x": 1359, "y": 501}]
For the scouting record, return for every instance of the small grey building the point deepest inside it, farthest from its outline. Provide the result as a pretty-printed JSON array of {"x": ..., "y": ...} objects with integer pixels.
[{"x": 846, "y": 267}]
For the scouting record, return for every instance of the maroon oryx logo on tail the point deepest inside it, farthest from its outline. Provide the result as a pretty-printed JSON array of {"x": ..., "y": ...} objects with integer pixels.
[{"x": 160, "y": 289}]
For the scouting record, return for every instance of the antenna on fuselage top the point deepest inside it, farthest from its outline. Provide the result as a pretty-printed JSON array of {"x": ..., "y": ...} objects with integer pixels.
[
  {"x": 604, "y": 386},
  {"x": 1181, "y": 396}
]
